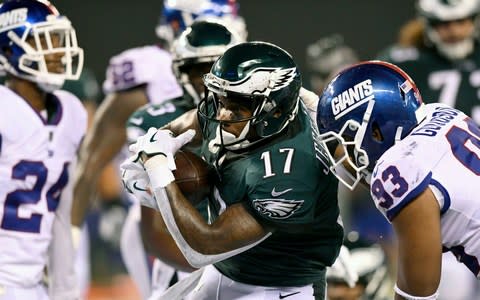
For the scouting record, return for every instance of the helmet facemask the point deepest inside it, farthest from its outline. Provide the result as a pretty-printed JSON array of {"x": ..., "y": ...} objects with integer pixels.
[
  {"x": 211, "y": 107},
  {"x": 200, "y": 45},
  {"x": 31, "y": 51},
  {"x": 349, "y": 162},
  {"x": 187, "y": 73}
]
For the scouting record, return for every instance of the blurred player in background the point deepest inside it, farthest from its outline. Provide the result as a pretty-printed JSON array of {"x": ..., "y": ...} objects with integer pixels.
[
  {"x": 379, "y": 132},
  {"x": 40, "y": 132},
  {"x": 193, "y": 55},
  {"x": 360, "y": 273},
  {"x": 136, "y": 77},
  {"x": 100, "y": 268},
  {"x": 441, "y": 51},
  {"x": 324, "y": 58}
]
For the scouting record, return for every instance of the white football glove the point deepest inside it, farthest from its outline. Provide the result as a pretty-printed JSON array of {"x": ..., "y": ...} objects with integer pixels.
[
  {"x": 135, "y": 180},
  {"x": 161, "y": 141}
]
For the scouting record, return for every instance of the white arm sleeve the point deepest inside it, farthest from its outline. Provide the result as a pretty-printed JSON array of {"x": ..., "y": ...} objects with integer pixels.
[
  {"x": 194, "y": 258},
  {"x": 61, "y": 268}
]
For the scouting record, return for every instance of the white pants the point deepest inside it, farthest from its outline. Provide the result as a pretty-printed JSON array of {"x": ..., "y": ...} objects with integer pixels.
[
  {"x": 38, "y": 292},
  {"x": 213, "y": 285}
]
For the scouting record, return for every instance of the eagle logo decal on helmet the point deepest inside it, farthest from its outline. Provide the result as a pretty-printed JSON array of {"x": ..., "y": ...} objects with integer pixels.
[{"x": 263, "y": 80}]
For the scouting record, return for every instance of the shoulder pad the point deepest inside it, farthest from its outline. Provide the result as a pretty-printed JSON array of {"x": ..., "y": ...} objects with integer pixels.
[{"x": 136, "y": 67}]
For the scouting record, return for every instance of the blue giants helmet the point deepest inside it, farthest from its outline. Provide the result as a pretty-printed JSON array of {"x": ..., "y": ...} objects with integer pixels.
[
  {"x": 30, "y": 31},
  {"x": 365, "y": 109}
]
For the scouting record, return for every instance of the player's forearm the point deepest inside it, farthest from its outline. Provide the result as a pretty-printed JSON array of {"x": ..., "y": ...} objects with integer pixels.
[
  {"x": 194, "y": 257},
  {"x": 158, "y": 241},
  {"x": 83, "y": 195},
  {"x": 188, "y": 120},
  {"x": 228, "y": 236},
  {"x": 192, "y": 225}
]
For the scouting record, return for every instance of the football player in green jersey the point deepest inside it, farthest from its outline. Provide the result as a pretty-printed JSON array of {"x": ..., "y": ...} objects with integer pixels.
[
  {"x": 194, "y": 52},
  {"x": 273, "y": 213},
  {"x": 441, "y": 52}
]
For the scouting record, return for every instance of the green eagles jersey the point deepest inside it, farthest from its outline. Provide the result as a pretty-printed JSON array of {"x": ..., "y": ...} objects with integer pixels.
[
  {"x": 285, "y": 184},
  {"x": 456, "y": 83}
]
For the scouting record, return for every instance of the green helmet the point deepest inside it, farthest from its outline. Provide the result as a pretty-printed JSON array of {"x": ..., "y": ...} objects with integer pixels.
[
  {"x": 201, "y": 43},
  {"x": 265, "y": 79}
]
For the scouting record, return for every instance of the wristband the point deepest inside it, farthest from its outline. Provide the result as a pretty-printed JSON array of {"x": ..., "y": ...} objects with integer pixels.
[
  {"x": 158, "y": 171},
  {"x": 410, "y": 297}
]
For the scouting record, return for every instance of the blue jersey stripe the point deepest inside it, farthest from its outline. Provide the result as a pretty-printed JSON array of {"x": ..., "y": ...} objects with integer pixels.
[
  {"x": 446, "y": 196},
  {"x": 468, "y": 260}
]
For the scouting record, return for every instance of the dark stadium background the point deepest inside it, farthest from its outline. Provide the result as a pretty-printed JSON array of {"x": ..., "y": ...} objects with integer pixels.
[{"x": 107, "y": 27}]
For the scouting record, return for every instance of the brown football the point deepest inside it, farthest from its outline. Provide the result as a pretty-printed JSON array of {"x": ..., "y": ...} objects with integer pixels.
[{"x": 192, "y": 176}]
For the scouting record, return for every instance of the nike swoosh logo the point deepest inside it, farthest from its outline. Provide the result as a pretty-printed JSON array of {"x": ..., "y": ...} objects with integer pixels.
[
  {"x": 138, "y": 188},
  {"x": 153, "y": 139},
  {"x": 287, "y": 295},
  {"x": 276, "y": 194}
]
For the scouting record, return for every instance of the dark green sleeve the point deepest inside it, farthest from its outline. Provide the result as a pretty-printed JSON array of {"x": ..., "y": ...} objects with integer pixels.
[{"x": 154, "y": 115}]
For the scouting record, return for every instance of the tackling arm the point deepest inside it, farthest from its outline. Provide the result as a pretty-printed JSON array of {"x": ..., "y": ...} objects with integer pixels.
[
  {"x": 420, "y": 249},
  {"x": 101, "y": 144}
]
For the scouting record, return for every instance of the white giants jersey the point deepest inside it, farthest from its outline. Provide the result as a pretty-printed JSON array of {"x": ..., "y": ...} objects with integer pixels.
[
  {"x": 443, "y": 153},
  {"x": 150, "y": 66},
  {"x": 35, "y": 155}
]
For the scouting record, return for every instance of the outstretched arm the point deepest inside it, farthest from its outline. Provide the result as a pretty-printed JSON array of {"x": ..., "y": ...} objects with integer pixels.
[
  {"x": 103, "y": 141},
  {"x": 420, "y": 249}
]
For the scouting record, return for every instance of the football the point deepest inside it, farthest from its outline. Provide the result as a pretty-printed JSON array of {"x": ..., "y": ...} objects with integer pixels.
[{"x": 192, "y": 176}]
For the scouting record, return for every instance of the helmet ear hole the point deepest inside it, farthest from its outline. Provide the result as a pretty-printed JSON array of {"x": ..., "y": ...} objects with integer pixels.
[
  {"x": 7, "y": 51},
  {"x": 376, "y": 132},
  {"x": 402, "y": 94}
]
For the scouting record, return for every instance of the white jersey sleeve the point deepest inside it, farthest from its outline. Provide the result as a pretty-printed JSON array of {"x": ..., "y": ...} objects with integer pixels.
[
  {"x": 77, "y": 115},
  {"x": 398, "y": 178},
  {"x": 150, "y": 66}
]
